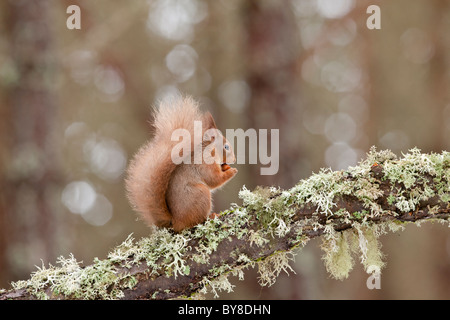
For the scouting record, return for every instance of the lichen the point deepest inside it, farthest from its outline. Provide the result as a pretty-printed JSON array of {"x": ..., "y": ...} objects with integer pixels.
[
  {"x": 70, "y": 279},
  {"x": 337, "y": 255},
  {"x": 340, "y": 248},
  {"x": 217, "y": 285},
  {"x": 371, "y": 256},
  {"x": 162, "y": 244},
  {"x": 270, "y": 267}
]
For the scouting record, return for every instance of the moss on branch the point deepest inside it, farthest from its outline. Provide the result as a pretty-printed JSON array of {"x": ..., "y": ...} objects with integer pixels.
[{"x": 349, "y": 209}]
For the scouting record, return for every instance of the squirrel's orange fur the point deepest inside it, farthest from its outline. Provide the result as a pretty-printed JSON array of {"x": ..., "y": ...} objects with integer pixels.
[{"x": 177, "y": 196}]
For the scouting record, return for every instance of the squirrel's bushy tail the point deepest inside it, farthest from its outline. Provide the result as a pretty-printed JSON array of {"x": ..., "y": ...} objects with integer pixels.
[{"x": 150, "y": 170}]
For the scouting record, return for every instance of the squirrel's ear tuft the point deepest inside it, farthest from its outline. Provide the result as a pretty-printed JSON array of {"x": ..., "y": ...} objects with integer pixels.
[
  {"x": 209, "y": 121},
  {"x": 208, "y": 136}
]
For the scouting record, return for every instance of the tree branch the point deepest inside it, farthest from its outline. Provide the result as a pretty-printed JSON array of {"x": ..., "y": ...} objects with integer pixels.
[{"x": 348, "y": 209}]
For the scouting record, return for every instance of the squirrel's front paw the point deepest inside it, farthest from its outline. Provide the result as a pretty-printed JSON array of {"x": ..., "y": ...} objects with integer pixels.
[
  {"x": 232, "y": 171},
  {"x": 227, "y": 167}
]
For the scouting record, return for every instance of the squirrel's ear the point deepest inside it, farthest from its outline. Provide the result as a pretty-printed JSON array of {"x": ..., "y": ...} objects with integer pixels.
[
  {"x": 209, "y": 121},
  {"x": 209, "y": 136}
]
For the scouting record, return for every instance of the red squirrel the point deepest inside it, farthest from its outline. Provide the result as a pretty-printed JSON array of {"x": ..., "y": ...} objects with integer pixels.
[{"x": 171, "y": 195}]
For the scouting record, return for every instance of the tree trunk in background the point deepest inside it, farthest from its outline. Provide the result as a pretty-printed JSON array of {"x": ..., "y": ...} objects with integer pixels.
[
  {"x": 439, "y": 78},
  {"x": 271, "y": 60},
  {"x": 396, "y": 86},
  {"x": 272, "y": 50},
  {"x": 29, "y": 162}
]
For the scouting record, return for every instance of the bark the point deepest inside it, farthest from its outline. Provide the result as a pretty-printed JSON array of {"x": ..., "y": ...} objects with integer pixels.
[{"x": 383, "y": 192}]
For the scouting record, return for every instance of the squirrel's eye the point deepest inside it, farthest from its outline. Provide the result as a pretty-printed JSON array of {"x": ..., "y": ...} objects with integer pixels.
[{"x": 227, "y": 147}]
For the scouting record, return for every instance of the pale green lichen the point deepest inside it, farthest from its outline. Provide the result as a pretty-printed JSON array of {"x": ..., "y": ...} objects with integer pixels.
[
  {"x": 370, "y": 246},
  {"x": 70, "y": 279},
  {"x": 321, "y": 189},
  {"x": 340, "y": 247},
  {"x": 271, "y": 267},
  {"x": 101, "y": 279},
  {"x": 411, "y": 171},
  {"x": 162, "y": 244},
  {"x": 217, "y": 285},
  {"x": 337, "y": 255}
]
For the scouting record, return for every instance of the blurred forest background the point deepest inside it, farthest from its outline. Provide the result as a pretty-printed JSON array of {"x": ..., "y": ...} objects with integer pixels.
[{"x": 75, "y": 107}]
